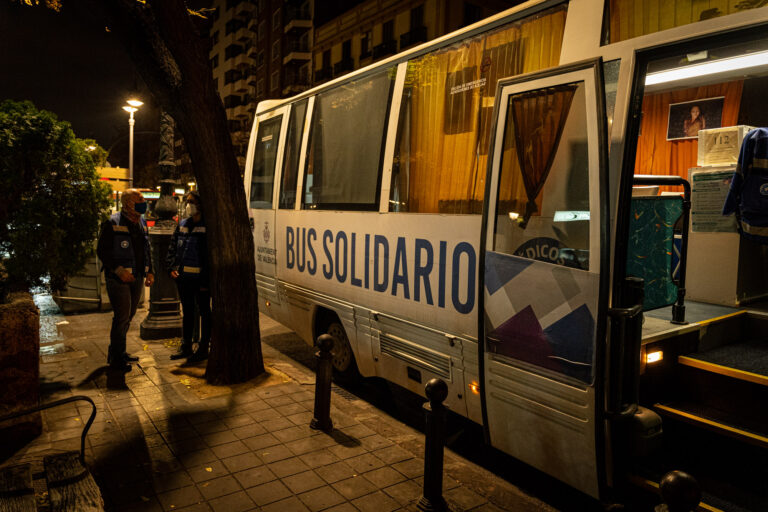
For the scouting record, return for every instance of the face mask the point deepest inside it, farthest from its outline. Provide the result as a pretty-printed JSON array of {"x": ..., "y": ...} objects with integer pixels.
[
  {"x": 191, "y": 210},
  {"x": 140, "y": 207}
]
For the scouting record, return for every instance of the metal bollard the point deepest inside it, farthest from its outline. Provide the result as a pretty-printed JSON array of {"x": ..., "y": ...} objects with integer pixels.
[
  {"x": 432, "y": 499},
  {"x": 680, "y": 492},
  {"x": 322, "y": 420}
]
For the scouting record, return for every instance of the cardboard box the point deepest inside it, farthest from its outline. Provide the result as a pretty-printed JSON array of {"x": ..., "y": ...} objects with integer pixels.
[{"x": 721, "y": 146}]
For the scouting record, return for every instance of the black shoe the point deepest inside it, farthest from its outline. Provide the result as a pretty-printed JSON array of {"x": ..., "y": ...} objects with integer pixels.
[
  {"x": 129, "y": 358},
  {"x": 120, "y": 367},
  {"x": 184, "y": 352},
  {"x": 200, "y": 355}
]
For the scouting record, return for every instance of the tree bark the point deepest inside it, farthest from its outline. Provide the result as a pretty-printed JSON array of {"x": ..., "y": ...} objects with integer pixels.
[{"x": 172, "y": 59}]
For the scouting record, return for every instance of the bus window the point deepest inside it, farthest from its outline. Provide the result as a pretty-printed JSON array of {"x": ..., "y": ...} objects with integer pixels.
[
  {"x": 543, "y": 208},
  {"x": 442, "y": 145},
  {"x": 611, "y": 82},
  {"x": 346, "y": 144},
  {"x": 264, "y": 163},
  {"x": 291, "y": 158}
]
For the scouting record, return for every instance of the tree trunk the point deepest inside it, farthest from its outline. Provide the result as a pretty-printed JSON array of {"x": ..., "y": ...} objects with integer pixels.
[{"x": 173, "y": 61}]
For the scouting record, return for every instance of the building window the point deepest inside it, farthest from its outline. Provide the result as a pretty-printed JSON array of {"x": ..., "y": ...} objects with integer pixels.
[
  {"x": 274, "y": 81},
  {"x": 365, "y": 44},
  {"x": 215, "y": 61},
  {"x": 216, "y": 83},
  {"x": 276, "y": 50},
  {"x": 276, "y": 20},
  {"x": 231, "y": 76},
  {"x": 417, "y": 17},
  {"x": 232, "y": 50},
  {"x": 231, "y": 4},
  {"x": 232, "y": 101},
  {"x": 215, "y": 38},
  {"x": 260, "y": 59},
  {"x": 326, "y": 59},
  {"x": 260, "y": 87},
  {"x": 388, "y": 31},
  {"x": 262, "y": 30},
  {"x": 233, "y": 26},
  {"x": 346, "y": 50}
]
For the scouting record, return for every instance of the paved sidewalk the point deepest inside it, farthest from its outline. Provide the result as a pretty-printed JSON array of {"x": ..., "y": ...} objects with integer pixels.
[{"x": 164, "y": 440}]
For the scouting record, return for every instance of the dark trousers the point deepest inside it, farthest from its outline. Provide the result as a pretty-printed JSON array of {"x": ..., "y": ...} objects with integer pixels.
[
  {"x": 125, "y": 299},
  {"x": 191, "y": 294}
]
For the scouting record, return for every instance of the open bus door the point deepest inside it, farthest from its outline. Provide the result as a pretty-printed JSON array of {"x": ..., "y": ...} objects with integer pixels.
[
  {"x": 264, "y": 172},
  {"x": 545, "y": 273}
]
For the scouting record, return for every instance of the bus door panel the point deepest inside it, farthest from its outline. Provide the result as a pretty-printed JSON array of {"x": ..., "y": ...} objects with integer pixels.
[
  {"x": 542, "y": 277},
  {"x": 263, "y": 174}
]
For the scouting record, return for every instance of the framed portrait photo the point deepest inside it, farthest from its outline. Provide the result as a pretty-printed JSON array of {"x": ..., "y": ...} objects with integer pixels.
[{"x": 687, "y": 118}]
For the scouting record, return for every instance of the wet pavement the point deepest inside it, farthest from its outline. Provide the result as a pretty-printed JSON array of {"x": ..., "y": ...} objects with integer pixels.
[{"x": 165, "y": 440}]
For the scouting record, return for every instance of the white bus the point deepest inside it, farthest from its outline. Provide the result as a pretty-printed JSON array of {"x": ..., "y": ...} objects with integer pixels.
[{"x": 462, "y": 210}]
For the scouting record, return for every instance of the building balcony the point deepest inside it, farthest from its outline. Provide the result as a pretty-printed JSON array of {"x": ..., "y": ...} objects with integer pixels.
[
  {"x": 242, "y": 62},
  {"x": 365, "y": 54},
  {"x": 240, "y": 112},
  {"x": 385, "y": 48},
  {"x": 245, "y": 10},
  {"x": 343, "y": 65},
  {"x": 323, "y": 74},
  {"x": 297, "y": 18},
  {"x": 243, "y": 35},
  {"x": 297, "y": 51},
  {"x": 241, "y": 86},
  {"x": 416, "y": 35}
]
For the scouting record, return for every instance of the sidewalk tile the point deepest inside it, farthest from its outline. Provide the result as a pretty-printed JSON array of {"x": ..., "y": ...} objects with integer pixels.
[
  {"x": 276, "y": 424},
  {"x": 344, "y": 507},
  {"x": 261, "y": 441},
  {"x": 310, "y": 444},
  {"x": 279, "y": 400},
  {"x": 198, "y": 457},
  {"x": 488, "y": 507},
  {"x": 335, "y": 472},
  {"x": 354, "y": 487},
  {"x": 211, "y": 427},
  {"x": 238, "y": 421},
  {"x": 376, "y": 502},
  {"x": 241, "y": 462},
  {"x": 321, "y": 498},
  {"x": 287, "y": 467},
  {"x": 198, "y": 507},
  {"x": 404, "y": 492},
  {"x": 302, "y": 482},
  {"x": 237, "y": 502},
  {"x": 230, "y": 449},
  {"x": 465, "y": 498},
  {"x": 273, "y": 453},
  {"x": 294, "y": 433},
  {"x": 358, "y": 431},
  {"x": 254, "y": 406},
  {"x": 265, "y": 414},
  {"x": 384, "y": 477},
  {"x": 218, "y": 487},
  {"x": 393, "y": 454},
  {"x": 319, "y": 458},
  {"x": 302, "y": 418},
  {"x": 270, "y": 492},
  {"x": 169, "y": 481},
  {"x": 178, "y": 498},
  {"x": 207, "y": 471},
  {"x": 220, "y": 438},
  {"x": 290, "y": 409},
  {"x": 365, "y": 462},
  {"x": 250, "y": 430},
  {"x": 343, "y": 451},
  {"x": 254, "y": 476},
  {"x": 291, "y": 504},
  {"x": 411, "y": 468}
]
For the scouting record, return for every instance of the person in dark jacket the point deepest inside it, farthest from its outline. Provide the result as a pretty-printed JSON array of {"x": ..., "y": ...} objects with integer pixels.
[
  {"x": 748, "y": 194},
  {"x": 188, "y": 265},
  {"x": 123, "y": 249}
]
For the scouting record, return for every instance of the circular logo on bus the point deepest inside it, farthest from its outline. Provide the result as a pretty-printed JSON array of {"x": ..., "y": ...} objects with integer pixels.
[
  {"x": 124, "y": 244},
  {"x": 265, "y": 233},
  {"x": 764, "y": 189}
]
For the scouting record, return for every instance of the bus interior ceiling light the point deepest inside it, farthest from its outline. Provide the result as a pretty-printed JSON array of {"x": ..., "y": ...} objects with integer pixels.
[
  {"x": 134, "y": 102},
  {"x": 654, "y": 357},
  {"x": 708, "y": 68}
]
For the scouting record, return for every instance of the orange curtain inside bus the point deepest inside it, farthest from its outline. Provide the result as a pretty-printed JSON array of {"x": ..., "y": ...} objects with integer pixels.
[
  {"x": 634, "y": 18},
  {"x": 656, "y": 154},
  {"x": 443, "y": 147}
]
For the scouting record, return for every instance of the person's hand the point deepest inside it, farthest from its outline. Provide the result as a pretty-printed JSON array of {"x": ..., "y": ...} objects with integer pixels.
[
  {"x": 125, "y": 276},
  {"x": 149, "y": 280},
  {"x": 174, "y": 274}
]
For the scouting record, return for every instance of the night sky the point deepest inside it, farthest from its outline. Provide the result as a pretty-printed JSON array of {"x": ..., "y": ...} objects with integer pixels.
[{"x": 69, "y": 64}]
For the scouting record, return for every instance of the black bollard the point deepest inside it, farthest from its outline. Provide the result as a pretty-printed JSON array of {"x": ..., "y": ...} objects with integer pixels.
[
  {"x": 680, "y": 492},
  {"x": 322, "y": 420},
  {"x": 432, "y": 499}
]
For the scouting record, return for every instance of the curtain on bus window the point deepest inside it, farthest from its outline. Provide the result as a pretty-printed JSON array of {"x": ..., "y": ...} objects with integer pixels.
[
  {"x": 346, "y": 143},
  {"x": 441, "y": 158},
  {"x": 634, "y": 18},
  {"x": 539, "y": 118},
  {"x": 657, "y": 155}
]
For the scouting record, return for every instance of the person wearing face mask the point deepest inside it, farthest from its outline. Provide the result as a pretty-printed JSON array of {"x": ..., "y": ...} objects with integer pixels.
[
  {"x": 188, "y": 265},
  {"x": 123, "y": 249}
]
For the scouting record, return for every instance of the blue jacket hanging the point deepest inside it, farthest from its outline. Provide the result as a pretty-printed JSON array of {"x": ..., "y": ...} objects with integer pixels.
[{"x": 748, "y": 195}]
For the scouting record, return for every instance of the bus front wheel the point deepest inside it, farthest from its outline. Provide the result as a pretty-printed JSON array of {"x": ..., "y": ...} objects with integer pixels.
[{"x": 344, "y": 364}]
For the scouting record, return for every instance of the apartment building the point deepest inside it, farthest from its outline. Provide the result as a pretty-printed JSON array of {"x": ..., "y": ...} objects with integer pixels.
[{"x": 375, "y": 29}]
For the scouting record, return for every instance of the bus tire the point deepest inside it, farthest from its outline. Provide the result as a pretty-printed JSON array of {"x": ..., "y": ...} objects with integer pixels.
[{"x": 344, "y": 365}]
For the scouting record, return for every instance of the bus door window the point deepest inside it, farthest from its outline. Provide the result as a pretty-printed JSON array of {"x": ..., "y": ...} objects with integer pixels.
[
  {"x": 264, "y": 158},
  {"x": 291, "y": 158}
]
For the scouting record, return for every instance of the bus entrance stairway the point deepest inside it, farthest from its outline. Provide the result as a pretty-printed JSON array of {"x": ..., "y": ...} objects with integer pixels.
[{"x": 710, "y": 389}]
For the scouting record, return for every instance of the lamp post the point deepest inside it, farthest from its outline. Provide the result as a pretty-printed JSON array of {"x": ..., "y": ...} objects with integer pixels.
[{"x": 132, "y": 107}]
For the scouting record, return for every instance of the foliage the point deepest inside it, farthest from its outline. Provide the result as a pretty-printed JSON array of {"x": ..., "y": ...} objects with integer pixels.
[{"x": 53, "y": 197}]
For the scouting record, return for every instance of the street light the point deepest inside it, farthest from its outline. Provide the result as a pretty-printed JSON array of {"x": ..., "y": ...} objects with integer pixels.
[{"x": 133, "y": 106}]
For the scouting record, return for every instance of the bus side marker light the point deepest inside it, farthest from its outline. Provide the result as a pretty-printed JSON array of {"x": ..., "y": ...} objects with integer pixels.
[
  {"x": 654, "y": 357},
  {"x": 267, "y": 303},
  {"x": 475, "y": 387}
]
